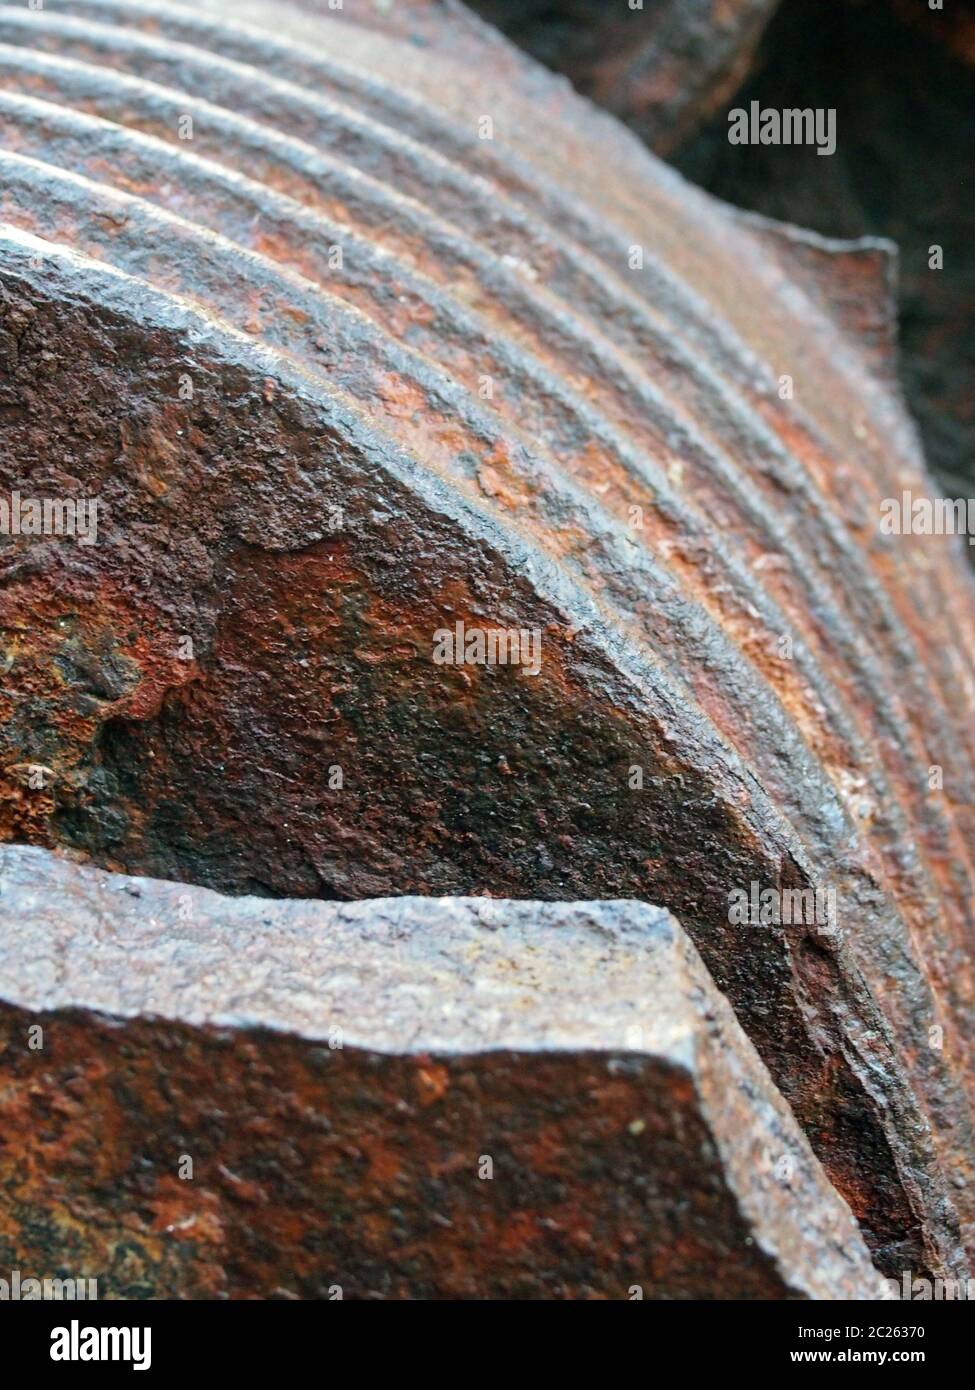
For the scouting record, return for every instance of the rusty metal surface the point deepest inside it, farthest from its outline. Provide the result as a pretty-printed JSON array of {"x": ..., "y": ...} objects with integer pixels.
[
  {"x": 341, "y": 485},
  {"x": 340, "y": 1132}
]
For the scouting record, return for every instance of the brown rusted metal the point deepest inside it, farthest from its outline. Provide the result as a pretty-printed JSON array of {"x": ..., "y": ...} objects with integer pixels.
[
  {"x": 404, "y": 1098},
  {"x": 344, "y": 373}
]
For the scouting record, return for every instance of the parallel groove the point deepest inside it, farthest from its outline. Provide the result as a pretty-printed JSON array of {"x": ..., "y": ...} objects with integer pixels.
[
  {"x": 874, "y": 620},
  {"x": 651, "y": 576}
]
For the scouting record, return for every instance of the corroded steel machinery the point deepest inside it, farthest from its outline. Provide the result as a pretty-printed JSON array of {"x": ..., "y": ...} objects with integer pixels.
[{"x": 359, "y": 328}]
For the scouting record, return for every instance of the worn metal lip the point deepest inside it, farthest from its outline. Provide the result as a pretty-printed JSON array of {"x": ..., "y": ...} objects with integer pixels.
[
  {"x": 593, "y": 964},
  {"x": 527, "y": 978}
]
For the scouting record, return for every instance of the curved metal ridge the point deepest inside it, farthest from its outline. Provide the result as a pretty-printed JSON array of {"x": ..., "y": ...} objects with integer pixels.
[
  {"x": 499, "y": 211},
  {"x": 612, "y": 396},
  {"x": 555, "y": 503},
  {"x": 963, "y": 731},
  {"x": 737, "y": 720},
  {"x": 734, "y": 724},
  {"x": 111, "y": 41},
  {"x": 106, "y": 42},
  {"x": 100, "y": 156}
]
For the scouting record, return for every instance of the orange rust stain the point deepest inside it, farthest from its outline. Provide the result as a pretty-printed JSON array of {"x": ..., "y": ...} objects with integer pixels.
[
  {"x": 109, "y": 172},
  {"x": 431, "y": 1083},
  {"x": 186, "y": 1210},
  {"x": 515, "y": 1235},
  {"x": 45, "y": 631},
  {"x": 384, "y": 1165}
]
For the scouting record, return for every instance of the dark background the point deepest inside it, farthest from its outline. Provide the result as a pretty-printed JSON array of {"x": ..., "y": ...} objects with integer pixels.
[{"x": 902, "y": 80}]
